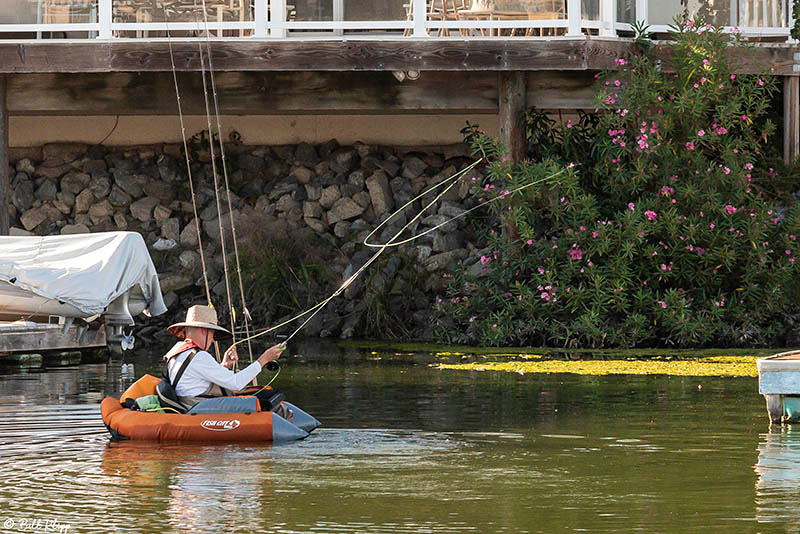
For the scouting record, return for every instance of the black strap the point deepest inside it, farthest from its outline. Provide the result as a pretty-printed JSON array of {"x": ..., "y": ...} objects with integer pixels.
[{"x": 186, "y": 363}]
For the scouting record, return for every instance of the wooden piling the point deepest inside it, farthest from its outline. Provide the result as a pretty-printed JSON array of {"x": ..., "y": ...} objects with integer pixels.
[
  {"x": 512, "y": 92},
  {"x": 4, "y": 185},
  {"x": 791, "y": 118}
]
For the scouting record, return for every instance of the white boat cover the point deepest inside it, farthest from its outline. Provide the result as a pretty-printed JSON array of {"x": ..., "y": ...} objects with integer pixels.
[{"x": 87, "y": 271}]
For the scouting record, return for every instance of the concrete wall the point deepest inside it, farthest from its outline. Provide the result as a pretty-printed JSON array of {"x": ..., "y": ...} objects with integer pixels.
[{"x": 396, "y": 130}]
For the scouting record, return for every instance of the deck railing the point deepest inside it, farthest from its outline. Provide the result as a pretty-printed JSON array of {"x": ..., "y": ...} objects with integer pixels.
[{"x": 394, "y": 19}]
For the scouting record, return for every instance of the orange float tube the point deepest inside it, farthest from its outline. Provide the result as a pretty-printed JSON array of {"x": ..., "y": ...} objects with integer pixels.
[{"x": 124, "y": 423}]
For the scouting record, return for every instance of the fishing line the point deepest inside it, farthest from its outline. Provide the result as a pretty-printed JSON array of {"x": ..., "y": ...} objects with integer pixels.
[
  {"x": 316, "y": 308},
  {"x": 392, "y": 243}
]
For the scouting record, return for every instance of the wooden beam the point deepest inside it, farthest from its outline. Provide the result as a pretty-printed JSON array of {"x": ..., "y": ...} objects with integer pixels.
[
  {"x": 275, "y": 93},
  {"x": 791, "y": 118},
  {"x": 561, "y": 54},
  {"x": 512, "y": 92},
  {"x": 4, "y": 171},
  {"x": 252, "y": 93}
]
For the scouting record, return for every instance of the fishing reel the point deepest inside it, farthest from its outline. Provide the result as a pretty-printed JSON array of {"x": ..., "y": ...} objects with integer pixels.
[{"x": 273, "y": 366}]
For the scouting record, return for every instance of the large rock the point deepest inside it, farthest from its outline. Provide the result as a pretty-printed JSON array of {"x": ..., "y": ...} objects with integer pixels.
[
  {"x": 23, "y": 195},
  {"x": 312, "y": 209},
  {"x": 306, "y": 155},
  {"x": 25, "y": 165},
  {"x": 302, "y": 174},
  {"x": 447, "y": 260},
  {"x": 448, "y": 225},
  {"x": 318, "y": 225},
  {"x": 121, "y": 221},
  {"x": 344, "y": 160},
  {"x": 83, "y": 201},
  {"x": 71, "y": 229},
  {"x": 160, "y": 190},
  {"x": 133, "y": 184},
  {"x": 329, "y": 196},
  {"x": 175, "y": 281},
  {"x": 47, "y": 190},
  {"x": 413, "y": 167},
  {"x": 286, "y": 203},
  {"x": 67, "y": 198},
  {"x": 118, "y": 197},
  {"x": 62, "y": 207},
  {"x": 444, "y": 242},
  {"x": 95, "y": 167},
  {"x": 143, "y": 208},
  {"x": 100, "y": 187},
  {"x": 171, "y": 229},
  {"x": 52, "y": 212},
  {"x": 188, "y": 238},
  {"x": 33, "y": 218},
  {"x": 343, "y": 209},
  {"x": 380, "y": 193},
  {"x": 363, "y": 199},
  {"x": 212, "y": 227},
  {"x": 74, "y": 182},
  {"x": 313, "y": 191},
  {"x": 101, "y": 209},
  {"x": 161, "y": 214},
  {"x": 63, "y": 152},
  {"x": 52, "y": 171},
  {"x": 190, "y": 260}
]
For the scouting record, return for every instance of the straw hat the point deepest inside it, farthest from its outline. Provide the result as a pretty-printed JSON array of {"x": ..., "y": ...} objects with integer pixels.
[{"x": 199, "y": 316}]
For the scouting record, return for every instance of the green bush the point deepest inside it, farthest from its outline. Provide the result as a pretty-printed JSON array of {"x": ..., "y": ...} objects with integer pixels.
[{"x": 670, "y": 230}]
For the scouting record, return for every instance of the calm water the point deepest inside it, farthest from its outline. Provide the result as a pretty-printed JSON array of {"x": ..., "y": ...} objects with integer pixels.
[{"x": 407, "y": 449}]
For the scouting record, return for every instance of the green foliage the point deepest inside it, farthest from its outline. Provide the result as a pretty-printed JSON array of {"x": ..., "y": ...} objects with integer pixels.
[
  {"x": 671, "y": 229},
  {"x": 283, "y": 277}
]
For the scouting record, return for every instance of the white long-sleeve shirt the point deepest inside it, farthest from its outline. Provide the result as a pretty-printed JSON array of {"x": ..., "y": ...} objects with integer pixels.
[{"x": 204, "y": 371}]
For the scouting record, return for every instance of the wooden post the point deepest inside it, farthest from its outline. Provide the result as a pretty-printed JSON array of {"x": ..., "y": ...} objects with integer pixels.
[
  {"x": 774, "y": 408},
  {"x": 791, "y": 118},
  {"x": 4, "y": 187},
  {"x": 512, "y": 90}
]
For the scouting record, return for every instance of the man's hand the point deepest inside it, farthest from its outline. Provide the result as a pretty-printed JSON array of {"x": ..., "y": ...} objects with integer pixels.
[
  {"x": 230, "y": 358},
  {"x": 271, "y": 354}
]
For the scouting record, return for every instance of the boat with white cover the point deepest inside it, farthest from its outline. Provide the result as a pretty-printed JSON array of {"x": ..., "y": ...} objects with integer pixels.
[{"x": 57, "y": 291}]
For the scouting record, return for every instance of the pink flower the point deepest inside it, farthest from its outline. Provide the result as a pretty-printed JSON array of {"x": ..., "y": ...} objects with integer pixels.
[
  {"x": 529, "y": 242},
  {"x": 662, "y": 303},
  {"x": 650, "y": 214},
  {"x": 619, "y": 61},
  {"x": 689, "y": 145},
  {"x": 485, "y": 260},
  {"x": 631, "y": 206},
  {"x": 726, "y": 170},
  {"x": 545, "y": 295},
  {"x": 701, "y": 133},
  {"x": 471, "y": 319},
  {"x": 760, "y": 82},
  {"x": 733, "y": 76},
  {"x": 575, "y": 253},
  {"x": 730, "y": 209}
]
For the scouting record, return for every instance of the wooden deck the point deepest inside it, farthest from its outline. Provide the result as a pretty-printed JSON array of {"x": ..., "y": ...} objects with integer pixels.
[{"x": 561, "y": 54}]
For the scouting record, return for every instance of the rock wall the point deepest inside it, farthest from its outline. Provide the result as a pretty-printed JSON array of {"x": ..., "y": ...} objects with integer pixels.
[{"x": 320, "y": 201}]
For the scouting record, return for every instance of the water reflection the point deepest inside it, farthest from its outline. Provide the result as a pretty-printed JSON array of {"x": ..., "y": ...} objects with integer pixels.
[
  {"x": 406, "y": 448},
  {"x": 778, "y": 469}
]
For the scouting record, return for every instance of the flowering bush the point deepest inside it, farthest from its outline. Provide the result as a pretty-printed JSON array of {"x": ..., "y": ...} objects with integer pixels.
[{"x": 671, "y": 230}]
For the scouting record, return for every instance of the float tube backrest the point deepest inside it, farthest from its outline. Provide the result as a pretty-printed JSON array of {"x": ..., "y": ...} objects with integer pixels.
[{"x": 146, "y": 385}]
